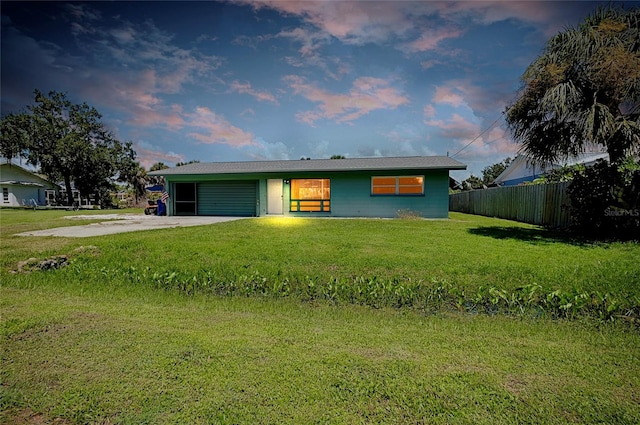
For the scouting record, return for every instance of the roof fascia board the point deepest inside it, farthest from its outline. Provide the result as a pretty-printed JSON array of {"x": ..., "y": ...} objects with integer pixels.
[
  {"x": 372, "y": 168},
  {"x": 303, "y": 173}
]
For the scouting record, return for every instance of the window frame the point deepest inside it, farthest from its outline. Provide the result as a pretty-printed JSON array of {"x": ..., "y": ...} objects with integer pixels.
[
  {"x": 324, "y": 204},
  {"x": 397, "y": 187}
]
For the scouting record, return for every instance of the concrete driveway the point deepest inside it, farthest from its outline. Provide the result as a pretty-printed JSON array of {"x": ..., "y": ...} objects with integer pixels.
[{"x": 120, "y": 223}]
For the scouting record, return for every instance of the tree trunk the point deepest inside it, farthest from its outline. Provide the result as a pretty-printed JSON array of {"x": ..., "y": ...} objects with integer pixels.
[
  {"x": 616, "y": 155},
  {"x": 67, "y": 184}
]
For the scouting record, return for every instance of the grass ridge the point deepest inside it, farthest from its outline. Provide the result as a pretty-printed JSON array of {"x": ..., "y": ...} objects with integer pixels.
[{"x": 432, "y": 296}]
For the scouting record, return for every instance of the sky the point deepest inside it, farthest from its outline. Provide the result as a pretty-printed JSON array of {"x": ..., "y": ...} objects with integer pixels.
[{"x": 258, "y": 80}]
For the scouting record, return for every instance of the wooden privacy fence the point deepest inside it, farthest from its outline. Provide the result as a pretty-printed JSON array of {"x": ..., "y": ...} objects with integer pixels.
[{"x": 541, "y": 204}]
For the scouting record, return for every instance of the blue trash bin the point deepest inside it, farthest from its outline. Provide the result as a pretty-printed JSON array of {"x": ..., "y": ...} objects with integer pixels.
[{"x": 162, "y": 208}]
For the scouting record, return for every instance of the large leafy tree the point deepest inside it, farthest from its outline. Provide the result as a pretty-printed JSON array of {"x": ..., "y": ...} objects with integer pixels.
[
  {"x": 180, "y": 164},
  {"x": 158, "y": 166},
  {"x": 489, "y": 174},
  {"x": 583, "y": 91},
  {"x": 136, "y": 175},
  {"x": 68, "y": 142},
  {"x": 473, "y": 182},
  {"x": 157, "y": 180},
  {"x": 14, "y": 136}
]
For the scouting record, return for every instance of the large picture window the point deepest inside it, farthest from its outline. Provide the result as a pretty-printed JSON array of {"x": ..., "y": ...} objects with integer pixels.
[
  {"x": 397, "y": 185},
  {"x": 312, "y": 195}
]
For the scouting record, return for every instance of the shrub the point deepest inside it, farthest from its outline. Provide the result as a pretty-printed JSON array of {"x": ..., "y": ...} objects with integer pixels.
[
  {"x": 408, "y": 214},
  {"x": 560, "y": 175},
  {"x": 605, "y": 200}
]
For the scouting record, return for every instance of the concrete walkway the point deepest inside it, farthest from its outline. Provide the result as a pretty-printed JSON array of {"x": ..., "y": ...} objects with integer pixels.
[{"x": 120, "y": 223}]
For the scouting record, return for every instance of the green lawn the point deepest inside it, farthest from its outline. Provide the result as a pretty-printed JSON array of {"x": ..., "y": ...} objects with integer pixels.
[
  {"x": 135, "y": 329},
  {"x": 469, "y": 263}
]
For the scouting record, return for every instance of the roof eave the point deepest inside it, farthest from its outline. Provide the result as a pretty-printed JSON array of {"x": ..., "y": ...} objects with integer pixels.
[{"x": 308, "y": 170}]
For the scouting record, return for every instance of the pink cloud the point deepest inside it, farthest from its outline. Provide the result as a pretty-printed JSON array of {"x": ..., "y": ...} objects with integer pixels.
[
  {"x": 431, "y": 38},
  {"x": 549, "y": 18},
  {"x": 247, "y": 113},
  {"x": 445, "y": 94},
  {"x": 482, "y": 100},
  {"x": 150, "y": 66},
  {"x": 213, "y": 129},
  {"x": 148, "y": 157},
  {"x": 456, "y": 127},
  {"x": 352, "y": 22},
  {"x": 493, "y": 143},
  {"x": 82, "y": 12},
  {"x": 136, "y": 99},
  {"x": 483, "y": 143},
  {"x": 429, "y": 111},
  {"x": 245, "y": 88},
  {"x": 366, "y": 95},
  {"x": 360, "y": 22},
  {"x": 148, "y": 118},
  {"x": 187, "y": 69},
  {"x": 487, "y": 139},
  {"x": 310, "y": 40},
  {"x": 123, "y": 35},
  {"x": 428, "y": 64}
]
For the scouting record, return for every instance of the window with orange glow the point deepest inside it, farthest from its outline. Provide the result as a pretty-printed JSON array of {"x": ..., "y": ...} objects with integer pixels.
[
  {"x": 397, "y": 185},
  {"x": 310, "y": 195}
]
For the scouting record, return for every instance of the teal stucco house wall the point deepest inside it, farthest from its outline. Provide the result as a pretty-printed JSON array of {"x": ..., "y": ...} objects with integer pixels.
[{"x": 358, "y": 187}]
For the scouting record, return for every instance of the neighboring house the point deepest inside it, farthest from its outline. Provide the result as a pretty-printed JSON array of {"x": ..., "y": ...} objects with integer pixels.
[
  {"x": 59, "y": 197},
  {"x": 21, "y": 187},
  {"x": 359, "y": 187},
  {"x": 455, "y": 184},
  {"x": 522, "y": 170}
]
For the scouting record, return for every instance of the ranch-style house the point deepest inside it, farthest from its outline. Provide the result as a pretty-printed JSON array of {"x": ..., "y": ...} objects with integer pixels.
[{"x": 353, "y": 187}]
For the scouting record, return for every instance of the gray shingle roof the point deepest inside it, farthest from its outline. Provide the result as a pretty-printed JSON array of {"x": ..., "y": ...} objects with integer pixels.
[{"x": 349, "y": 164}]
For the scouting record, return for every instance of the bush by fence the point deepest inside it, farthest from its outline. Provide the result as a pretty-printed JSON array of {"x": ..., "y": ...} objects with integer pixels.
[{"x": 541, "y": 204}]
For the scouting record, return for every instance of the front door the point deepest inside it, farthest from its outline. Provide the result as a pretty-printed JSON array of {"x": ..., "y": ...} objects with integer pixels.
[{"x": 274, "y": 196}]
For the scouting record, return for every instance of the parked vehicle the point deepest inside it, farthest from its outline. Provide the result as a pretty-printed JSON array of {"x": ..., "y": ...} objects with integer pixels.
[
  {"x": 155, "y": 208},
  {"x": 152, "y": 207}
]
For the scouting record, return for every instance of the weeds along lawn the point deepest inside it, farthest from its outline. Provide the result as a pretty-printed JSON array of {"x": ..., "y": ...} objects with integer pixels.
[{"x": 130, "y": 331}]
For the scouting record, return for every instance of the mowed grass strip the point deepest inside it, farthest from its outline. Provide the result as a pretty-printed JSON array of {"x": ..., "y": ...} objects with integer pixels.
[{"x": 144, "y": 357}]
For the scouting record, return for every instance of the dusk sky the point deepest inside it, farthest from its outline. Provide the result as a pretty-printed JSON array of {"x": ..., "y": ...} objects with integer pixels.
[{"x": 253, "y": 80}]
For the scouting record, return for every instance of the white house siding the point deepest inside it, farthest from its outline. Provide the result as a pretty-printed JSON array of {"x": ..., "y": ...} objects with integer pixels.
[
  {"x": 21, "y": 187},
  {"x": 522, "y": 170},
  {"x": 20, "y": 195}
]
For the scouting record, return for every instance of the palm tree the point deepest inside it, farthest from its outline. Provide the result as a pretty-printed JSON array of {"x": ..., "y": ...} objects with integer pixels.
[
  {"x": 156, "y": 180},
  {"x": 139, "y": 182},
  {"x": 583, "y": 91}
]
